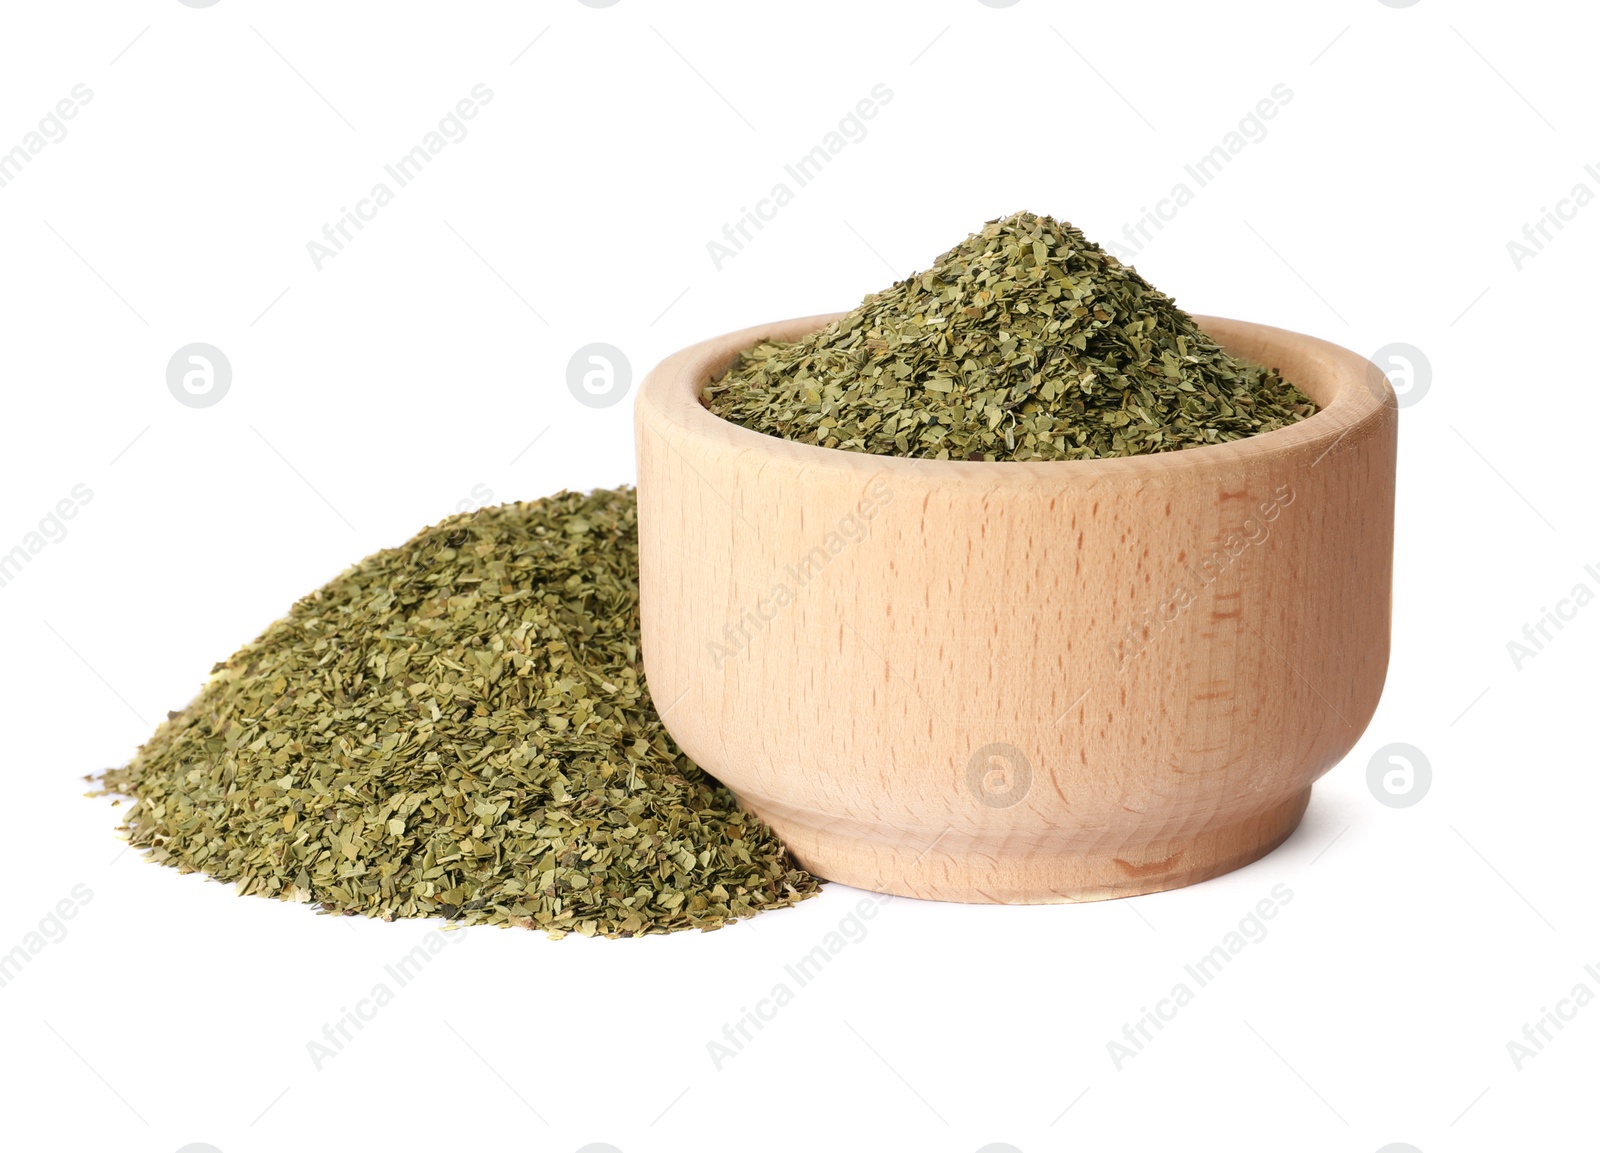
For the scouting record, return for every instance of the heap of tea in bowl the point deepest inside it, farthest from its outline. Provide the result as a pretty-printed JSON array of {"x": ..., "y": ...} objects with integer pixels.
[
  {"x": 1025, "y": 342},
  {"x": 459, "y": 727}
]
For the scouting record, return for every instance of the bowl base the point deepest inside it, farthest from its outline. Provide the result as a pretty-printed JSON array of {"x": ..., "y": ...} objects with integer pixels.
[{"x": 990, "y": 872}]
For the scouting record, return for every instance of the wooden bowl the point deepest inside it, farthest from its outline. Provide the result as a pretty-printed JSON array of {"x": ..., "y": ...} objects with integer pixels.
[{"x": 1020, "y": 682}]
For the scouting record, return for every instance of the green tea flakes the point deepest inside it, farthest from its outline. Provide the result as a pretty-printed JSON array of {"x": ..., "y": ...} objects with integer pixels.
[
  {"x": 459, "y": 728},
  {"x": 1025, "y": 342}
]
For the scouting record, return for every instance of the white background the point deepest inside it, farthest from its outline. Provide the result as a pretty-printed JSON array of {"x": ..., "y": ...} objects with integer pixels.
[{"x": 371, "y": 397}]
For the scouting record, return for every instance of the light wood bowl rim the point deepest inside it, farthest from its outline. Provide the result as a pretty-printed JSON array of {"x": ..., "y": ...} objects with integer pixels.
[{"x": 1350, "y": 390}]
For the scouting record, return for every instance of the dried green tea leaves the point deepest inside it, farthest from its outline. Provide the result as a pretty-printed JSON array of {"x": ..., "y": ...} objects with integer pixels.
[
  {"x": 1024, "y": 342},
  {"x": 459, "y": 727}
]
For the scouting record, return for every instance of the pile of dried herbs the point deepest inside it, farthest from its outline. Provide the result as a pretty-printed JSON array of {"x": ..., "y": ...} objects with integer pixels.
[
  {"x": 459, "y": 728},
  {"x": 1024, "y": 342}
]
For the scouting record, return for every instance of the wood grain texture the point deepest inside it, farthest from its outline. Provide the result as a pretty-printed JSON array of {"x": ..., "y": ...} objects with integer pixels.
[{"x": 1020, "y": 682}]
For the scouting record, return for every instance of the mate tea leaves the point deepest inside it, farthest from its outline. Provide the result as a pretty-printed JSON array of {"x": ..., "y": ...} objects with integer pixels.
[
  {"x": 459, "y": 727},
  {"x": 1025, "y": 342}
]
